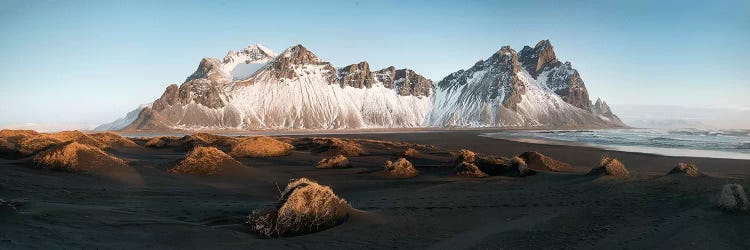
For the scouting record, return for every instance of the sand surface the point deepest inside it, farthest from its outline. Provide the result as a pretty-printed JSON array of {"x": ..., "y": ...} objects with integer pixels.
[{"x": 146, "y": 207}]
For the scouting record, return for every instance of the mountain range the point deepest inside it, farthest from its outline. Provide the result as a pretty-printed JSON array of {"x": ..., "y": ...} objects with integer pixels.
[{"x": 254, "y": 88}]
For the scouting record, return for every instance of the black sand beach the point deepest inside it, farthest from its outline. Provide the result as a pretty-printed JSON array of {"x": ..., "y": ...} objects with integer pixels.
[{"x": 147, "y": 207}]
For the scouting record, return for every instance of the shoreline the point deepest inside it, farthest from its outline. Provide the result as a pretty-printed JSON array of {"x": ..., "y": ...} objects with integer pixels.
[
  {"x": 582, "y": 156},
  {"x": 659, "y": 151}
]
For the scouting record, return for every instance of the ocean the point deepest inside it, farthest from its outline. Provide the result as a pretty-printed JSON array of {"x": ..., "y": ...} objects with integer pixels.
[{"x": 719, "y": 143}]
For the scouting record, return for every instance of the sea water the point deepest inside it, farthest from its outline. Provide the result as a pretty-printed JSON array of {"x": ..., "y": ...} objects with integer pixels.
[{"x": 725, "y": 143}]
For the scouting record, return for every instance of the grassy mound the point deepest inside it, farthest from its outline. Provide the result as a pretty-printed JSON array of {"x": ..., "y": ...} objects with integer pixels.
[
  {"x": 610, "y": 166},
  {"x": 467, "y": 169},
  {"x": 260, "y": 146},
  {"x": 466, "y": 162},
  {"x": 205, "y": 161},
  {"x": 191, "y": 141},
  {"x": 77, "y": 157},
  {"x": 685, "y": 169},
  {"x": 77, "y": 136},
  {"x": 331, "y": 146},
  {"x": 304, "y": 207},
  {"x": 465, "y": 155},
  {"x": 163, "y": 142},
  {"x": 733, "y": 197},
  {"x": 111, "y": 140},
  {"x": 204, "y": 139},
  {"x": 22, "y": 143},
  {"x": 338, "y": 161},
  {"x": 410, "y": 153},
  {"x": 401, "y": 168},
  {"x": 540, "y": 162}
]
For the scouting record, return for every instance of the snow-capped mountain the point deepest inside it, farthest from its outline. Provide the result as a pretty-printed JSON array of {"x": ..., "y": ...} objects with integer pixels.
[
  {"x": 295, "y": 90},
  {"x": 532, "y": 89},
  {"x": 123, "y": 122},
  {"x": 254, "y": 88}
]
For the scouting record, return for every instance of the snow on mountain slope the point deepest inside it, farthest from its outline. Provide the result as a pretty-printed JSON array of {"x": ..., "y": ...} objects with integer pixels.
[
  {"x": 501, "y": 92},
  {"x": 294, "y": 90},
  {"x": 243, "y": 63},
  {"x": 255, "y": 89}
]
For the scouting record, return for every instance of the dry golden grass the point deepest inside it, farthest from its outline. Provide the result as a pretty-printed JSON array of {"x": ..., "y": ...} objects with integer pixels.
[
  {"x": 331, "y": 146},
  {"x": 410, "y": 153},
  {"x": 111, "y": 140},
  {"x": 518, "y": 168},
  {"x": 36, "y": 143},
  {"x": 26, "y": 142},
  {"x": 538, "y": 161},
  {"x": 260, "y": 146},
  {"x": 190, "y": 141},
  {"x": 468, "y": 169},
  {"x": 733, "y": 197},
  {"x": 77, "y": 136},
  {"x": 686, "y": 169},
  {"x": 464, "y": 155},
  {"x": 205, "y": 161},
  {"x": 304, "y": 207},
  {"x": 204, "y": 139},
  {"x": 401, "y": 168},
  {"x": 22, "y": 143},
  {"x": 13, "y": 136},
  {"x": 163, "y": 141},
  {"x": 77, "y": 157},
  {"x": 610, "y": 166},
  {"x": 338, "y": 161}
]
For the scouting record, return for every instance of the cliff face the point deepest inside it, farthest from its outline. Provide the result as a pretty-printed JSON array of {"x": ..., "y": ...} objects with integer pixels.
[{"x": 542, "y": 65}]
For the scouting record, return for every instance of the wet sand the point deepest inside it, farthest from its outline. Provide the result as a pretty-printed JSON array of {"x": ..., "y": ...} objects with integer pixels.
[{"x": 147, "y": 207}]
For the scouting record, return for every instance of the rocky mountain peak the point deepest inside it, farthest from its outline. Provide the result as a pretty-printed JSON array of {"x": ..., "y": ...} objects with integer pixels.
[
  {"x": 356, "y": 75},
  {"x": 209, "y": 68},
  {"x": 250, "y": 54},
  {"x": 537, "y": 59},
  {"x": 299, "y": 55},
  {"x": 254, "y": 54},
  {"x": 298, "y": 58},
  {"x": 405, "y": 81},
  {"x": 601, "y": 107}
]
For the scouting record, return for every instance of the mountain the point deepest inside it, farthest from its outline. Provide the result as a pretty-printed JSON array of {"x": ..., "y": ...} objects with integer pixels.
[
  {"x": 294, "y": 90},
  {"x": 508, "y": 89},
  {"x": 602, "y": 110},
  {"x": 123, "y": 122},
  {"x": 254, "y": 88}
]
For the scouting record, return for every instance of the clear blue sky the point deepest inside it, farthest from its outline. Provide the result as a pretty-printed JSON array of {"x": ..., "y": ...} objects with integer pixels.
[{"x": 92, "y": 61}]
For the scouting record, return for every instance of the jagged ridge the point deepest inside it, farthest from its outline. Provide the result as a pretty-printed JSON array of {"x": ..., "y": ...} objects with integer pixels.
[{"x": 297, "y": 90}]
